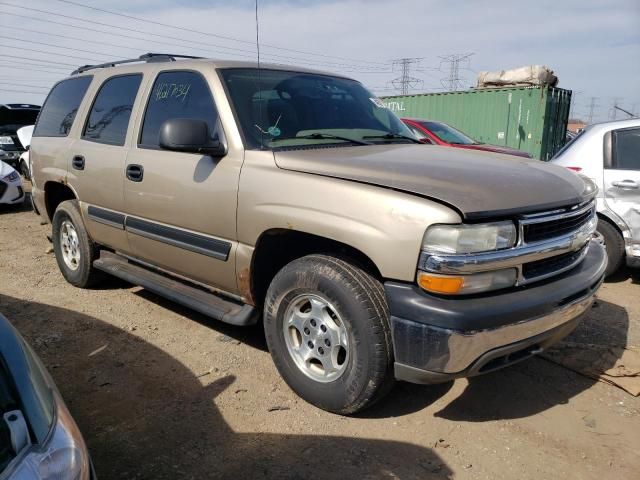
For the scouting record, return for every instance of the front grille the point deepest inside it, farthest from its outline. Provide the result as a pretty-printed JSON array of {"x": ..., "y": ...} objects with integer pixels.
[
  {"x": 551, "y": 265},
  {"x": 3, "y": 188},
  {"x": 541, "y": 230}
]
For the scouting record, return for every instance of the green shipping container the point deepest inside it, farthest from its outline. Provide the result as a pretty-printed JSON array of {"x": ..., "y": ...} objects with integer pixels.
[{"x": 532, "y": 119}]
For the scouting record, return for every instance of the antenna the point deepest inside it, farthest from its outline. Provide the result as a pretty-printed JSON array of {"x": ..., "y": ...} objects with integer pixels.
[
  {"x": 259, "y": 77},
  {"x": 257, "y": 35}
]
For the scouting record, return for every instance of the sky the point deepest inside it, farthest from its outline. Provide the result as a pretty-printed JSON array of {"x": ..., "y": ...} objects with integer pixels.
[{"x": 592, "y": 46}]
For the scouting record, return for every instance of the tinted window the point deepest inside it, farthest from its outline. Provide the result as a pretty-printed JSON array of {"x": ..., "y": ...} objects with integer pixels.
[
  {"x": 627, "y": 149},
  {"x": 109, "y": 115},
  {"x": 60, "y": 108},
  {"x": 177, "y": 95}
]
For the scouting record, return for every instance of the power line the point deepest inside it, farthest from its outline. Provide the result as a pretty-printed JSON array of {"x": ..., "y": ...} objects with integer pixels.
[
  {"x": 405, "y": 81},
  {"x": 247, "y": 53},
  {"x": 40, "y": 60},
  {"x": 21, "y": 91},
  {"x": 32, "y": 42},
  {"x": 24, "y": 85},
  {"x": 190, "y": 30},
  {"x": 453, "y": 81},
  {"x": 19, "y": 67}
]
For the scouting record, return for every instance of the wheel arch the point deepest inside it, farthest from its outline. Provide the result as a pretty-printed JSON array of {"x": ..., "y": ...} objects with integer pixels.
[
  {"x": 54, "y": 194},
  {"x": 277, "y": 247}
]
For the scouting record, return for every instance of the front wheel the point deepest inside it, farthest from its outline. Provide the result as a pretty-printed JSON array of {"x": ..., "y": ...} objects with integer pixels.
[{"x": 327, "y": 327}]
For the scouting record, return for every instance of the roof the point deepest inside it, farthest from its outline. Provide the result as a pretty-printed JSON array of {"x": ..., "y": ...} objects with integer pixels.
[{"x": 149, "y": 60}]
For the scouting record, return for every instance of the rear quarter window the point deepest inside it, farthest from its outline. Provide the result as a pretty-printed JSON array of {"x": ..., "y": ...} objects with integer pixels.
[{"x": 59, "y": 110}]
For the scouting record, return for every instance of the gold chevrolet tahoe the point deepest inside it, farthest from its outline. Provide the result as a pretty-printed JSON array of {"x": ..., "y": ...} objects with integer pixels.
[{"x": 261, "y": 193}]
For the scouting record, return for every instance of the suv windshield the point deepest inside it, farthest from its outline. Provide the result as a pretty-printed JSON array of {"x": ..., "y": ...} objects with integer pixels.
[
  {"x": 277, "y": 108},
  {"x": 448, "y": 134}
]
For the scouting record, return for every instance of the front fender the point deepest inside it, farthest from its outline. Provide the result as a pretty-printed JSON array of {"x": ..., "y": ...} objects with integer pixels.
[{"x": 384, "y": 224}]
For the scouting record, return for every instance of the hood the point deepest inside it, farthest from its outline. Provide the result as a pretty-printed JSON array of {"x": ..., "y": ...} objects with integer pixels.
[
  {"x": 5, "y": 169},
  {"x": 24, "y": 135},
  {"x": 487, "y": 147},
  {"x": 479, "y": 185}
]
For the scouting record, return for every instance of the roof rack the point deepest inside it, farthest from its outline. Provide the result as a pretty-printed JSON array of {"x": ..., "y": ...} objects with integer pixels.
[{"x": 147, "y": 57}]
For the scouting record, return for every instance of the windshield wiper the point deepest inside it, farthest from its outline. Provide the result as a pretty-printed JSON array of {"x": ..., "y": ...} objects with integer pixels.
[
  {"x": 394, "y": 136},
  {"x": 323, "y": 136}
]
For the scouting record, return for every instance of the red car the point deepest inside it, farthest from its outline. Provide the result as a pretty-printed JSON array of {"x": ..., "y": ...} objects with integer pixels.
[{"x": 439, "y": 133}]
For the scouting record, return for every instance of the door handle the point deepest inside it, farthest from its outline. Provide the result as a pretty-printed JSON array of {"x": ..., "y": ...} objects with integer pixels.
[
  {"x": 135, "y": 172},
  {"x": 626, "y": 184},
  {"x": 78, "y": 162}
]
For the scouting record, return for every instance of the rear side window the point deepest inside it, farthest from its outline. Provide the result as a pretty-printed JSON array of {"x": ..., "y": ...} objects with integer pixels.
[
  {"x": 626, "y": 149},
  {"x": 177, "y": 95},
  {"x": 60, "y": 108},
  {"x": 109, "y": 116}
]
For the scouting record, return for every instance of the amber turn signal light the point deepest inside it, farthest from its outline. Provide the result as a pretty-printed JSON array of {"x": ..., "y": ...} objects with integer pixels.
[{"x": 440, "y": 284}]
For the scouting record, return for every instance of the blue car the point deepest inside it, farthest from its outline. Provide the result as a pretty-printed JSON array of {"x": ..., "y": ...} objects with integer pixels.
[{"x": 38, "y": 438}]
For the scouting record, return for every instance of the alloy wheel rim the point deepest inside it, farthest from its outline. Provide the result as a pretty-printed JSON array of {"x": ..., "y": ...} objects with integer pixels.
[
  {"x": 316, "y": 337},
  {"x": 70, "y": 245}
]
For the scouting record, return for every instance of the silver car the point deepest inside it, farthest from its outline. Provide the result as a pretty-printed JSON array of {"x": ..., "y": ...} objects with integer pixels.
[{"x": 609, "y": 154}]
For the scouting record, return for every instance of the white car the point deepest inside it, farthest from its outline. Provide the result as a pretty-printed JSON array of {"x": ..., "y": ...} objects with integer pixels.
[
  {"x": 11, "y": 191},
  {"x": 609, "y": 154},
  {"x": 24, "y": 163}
]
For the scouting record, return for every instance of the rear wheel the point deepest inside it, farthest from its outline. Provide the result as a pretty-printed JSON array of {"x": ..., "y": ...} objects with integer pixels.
[
  {"x": 327, "y": 327},
  {"x": 614, "y": 244},
  {"x": 73, "y": 248}
]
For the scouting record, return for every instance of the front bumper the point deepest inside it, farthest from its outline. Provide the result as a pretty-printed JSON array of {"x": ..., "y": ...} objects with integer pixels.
[
  {"x": 11, "y": 193},
  {"x": 440, "y": 338}
]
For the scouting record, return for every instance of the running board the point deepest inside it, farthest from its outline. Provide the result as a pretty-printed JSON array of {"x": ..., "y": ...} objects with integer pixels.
[{"x": 197, "y": 299}]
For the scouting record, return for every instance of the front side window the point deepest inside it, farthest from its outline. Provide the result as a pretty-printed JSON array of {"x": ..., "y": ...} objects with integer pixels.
[
  {"x": 177, "y": 95},
  {"x": 61, "y": 106},
  {"x": 626, "y": 148},
  {"x": 277, "y": 108},
  {"x": 109, "y": 116}
]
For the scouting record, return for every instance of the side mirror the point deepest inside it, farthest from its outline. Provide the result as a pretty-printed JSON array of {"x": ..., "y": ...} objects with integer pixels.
[{"x": 190, "y": 135}]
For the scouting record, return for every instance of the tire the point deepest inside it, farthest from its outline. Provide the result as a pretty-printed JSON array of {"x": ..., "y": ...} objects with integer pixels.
[
  {"x": 349, "y": 304},
  {"x": 614, "y": 243},
  {"x": 24, "y": 169},
  {"x": 75, "y": 256}
]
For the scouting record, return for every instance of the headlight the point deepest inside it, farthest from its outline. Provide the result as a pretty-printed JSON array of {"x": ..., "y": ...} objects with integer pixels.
[
  {"x": 483, "y": 237},
  {"x": 467, "y": 284},
  {"x": 64, "y": 455},
  {"x": 12, "y": 177}
]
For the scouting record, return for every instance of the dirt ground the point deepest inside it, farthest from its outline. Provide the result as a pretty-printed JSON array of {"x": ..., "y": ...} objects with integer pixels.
[{"x": 161, "y": 392}]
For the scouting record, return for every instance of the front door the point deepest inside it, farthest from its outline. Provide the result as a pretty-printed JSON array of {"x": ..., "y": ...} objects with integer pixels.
[
  {"x": 181, "y": 207},
  {"x": 622, "y": 178}
]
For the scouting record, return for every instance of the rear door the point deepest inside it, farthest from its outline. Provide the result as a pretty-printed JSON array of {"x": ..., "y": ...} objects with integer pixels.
[
  {"x": 622, "y": 176},
  {"x": 97, "y": 159},
  {"x": 181, "y": 207}
]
